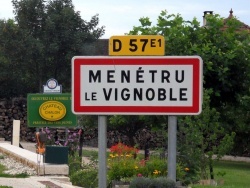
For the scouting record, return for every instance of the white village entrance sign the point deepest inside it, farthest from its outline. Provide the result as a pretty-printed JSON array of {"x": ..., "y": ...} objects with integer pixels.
[{"x": 149, "y": 85}]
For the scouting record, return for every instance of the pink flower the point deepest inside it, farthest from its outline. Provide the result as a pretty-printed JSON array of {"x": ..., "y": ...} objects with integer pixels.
[
  {"x": 80, "y": 131},
  {"x": 139, "y": 175},
  {"x": 66, "y": 143}
]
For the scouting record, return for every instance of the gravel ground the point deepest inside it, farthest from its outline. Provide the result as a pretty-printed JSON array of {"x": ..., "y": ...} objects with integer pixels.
[{"x": 15, "y": 167}]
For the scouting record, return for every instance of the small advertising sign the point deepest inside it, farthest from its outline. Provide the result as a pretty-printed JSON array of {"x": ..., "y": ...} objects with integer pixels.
[
  {"x": 50, "y": 110},
  {"x": 52, "y": 86}
]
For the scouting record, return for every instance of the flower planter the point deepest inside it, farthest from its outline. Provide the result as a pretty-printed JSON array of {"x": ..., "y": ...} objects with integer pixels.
[{"x": 56, "y": 154}]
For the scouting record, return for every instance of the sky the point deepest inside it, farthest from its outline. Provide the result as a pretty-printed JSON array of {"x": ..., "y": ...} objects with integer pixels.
[{"x": 119, "y": 17}]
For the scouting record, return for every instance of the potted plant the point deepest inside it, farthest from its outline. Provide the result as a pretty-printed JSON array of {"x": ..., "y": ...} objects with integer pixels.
[{"x": 58, "y": 149}]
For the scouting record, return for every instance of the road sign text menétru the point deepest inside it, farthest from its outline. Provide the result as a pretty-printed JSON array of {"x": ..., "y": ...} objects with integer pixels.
[
  {"x": 167, "y": 85},
  {"x": 142, "y": 84}
]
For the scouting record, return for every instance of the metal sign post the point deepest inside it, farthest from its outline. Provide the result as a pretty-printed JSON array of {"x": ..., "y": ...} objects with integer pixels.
[
  {"x": 102, "y": 147},
  {"x": 172, "y": 132}
]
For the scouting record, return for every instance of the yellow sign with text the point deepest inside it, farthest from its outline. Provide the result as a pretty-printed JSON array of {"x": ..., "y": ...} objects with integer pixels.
[
  {"x": 52, "y": 110},
  {"x": 133, "y": 45}
]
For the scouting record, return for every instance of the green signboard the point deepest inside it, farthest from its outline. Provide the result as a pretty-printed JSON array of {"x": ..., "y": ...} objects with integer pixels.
[{"x": 50, "y": 110}]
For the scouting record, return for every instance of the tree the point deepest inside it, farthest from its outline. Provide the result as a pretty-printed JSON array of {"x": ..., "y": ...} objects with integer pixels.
[
  {"x": 49, "y": 35},
  {"x": 12, "y": 46},
  {"x": 127, "y": 125},
  {"x": 201, "y": 137},
  {"x": 65, "y": 35},
  {"x": 225, "y": 51}
]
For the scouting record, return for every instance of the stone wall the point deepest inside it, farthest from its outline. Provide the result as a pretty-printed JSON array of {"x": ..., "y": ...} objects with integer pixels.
[{"x": 14, "y": 109}]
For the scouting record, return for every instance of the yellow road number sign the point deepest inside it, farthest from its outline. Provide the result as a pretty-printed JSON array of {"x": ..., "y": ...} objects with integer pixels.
[{"x": 137, "y": 45}]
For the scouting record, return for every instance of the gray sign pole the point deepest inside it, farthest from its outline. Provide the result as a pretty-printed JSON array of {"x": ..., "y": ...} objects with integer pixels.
[
  {"x": 172, "y": 132},
  {"x": 102, "y": 147}
]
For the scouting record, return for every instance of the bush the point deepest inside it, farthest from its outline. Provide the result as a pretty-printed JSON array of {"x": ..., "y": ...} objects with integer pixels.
[
  {"x": 140, "y": 182},
  {"x": 160, "y": 182},
  {"x": 121, "y": 168},
  {"x": 124, "y": 163},
  {"x": 154, "y": 167},
  {"x": 85, "y": 178},
  {"x": 75, "y": 164},
  {"x": 74, "y": 167},
  {"x": 121, "y": 162}
]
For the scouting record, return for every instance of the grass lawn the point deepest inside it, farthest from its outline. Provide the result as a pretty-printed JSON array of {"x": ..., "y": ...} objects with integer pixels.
[
  {"x": 90, "y": 153},
  {"x": 237, "y": 174}
]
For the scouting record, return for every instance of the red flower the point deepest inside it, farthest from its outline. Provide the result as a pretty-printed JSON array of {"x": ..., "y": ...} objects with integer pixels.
[{"x": 123, "y": 149}]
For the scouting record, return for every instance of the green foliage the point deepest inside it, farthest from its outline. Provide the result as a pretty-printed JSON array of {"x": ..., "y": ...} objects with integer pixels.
[
  {"x": 121, "y": 168},
  {"x": 85, "y": 178},
  {"x": 160, "y": 182},
  {"x": 74, "y": 166},
  {"x": 136, "y": 129},
  {"x": 2, "y": 168},
  {"x": 121, "y": 123},
  {"x": 140, "y": 182},
  {"x": 154, "y": 167},
  {"x": 237, "y": 119},
  {"x": 236, "y": 175},
  {"x": 22, "y": 175},
  {"x": 221, "y": 174},
  {"x": 202, "y": 137},
  {"x": 75, "y": 163},
  {"x": 11, "y": 49},
  {"x": 220, "y": 48},
  {"x": 121, "y": 162},
  {"x": 40, "y": 43},
  {"x": 93, "y": 155},
  {"x": 84, "y": 175},
  {"x": 124, "y": 166},
  {"x": 225, "y": 51}
]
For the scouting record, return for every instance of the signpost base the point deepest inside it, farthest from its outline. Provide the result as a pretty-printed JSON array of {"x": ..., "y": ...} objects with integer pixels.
[
  {"x": 172, "y": 132},
  {"x": 102, "y": 147}
]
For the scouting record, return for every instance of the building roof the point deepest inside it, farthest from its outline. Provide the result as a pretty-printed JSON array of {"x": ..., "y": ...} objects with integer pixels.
[{"x": 243, "y": 25}]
